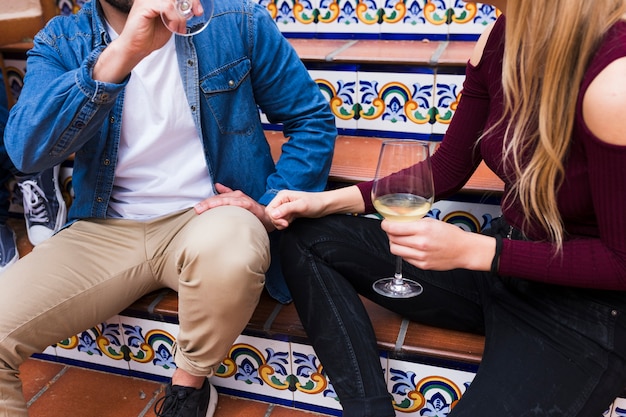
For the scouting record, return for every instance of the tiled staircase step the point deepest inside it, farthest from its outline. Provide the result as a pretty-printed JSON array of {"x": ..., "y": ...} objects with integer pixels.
[
  {"x": 355, "y": 159},
  {"x": 55, "y": 389},
  {"x": 394, "y": 334}
]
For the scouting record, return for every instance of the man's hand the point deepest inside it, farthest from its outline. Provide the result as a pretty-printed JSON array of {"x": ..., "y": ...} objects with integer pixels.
[
  {"x": 140, "y": 33},
  {"x": 228, "y": 197}
]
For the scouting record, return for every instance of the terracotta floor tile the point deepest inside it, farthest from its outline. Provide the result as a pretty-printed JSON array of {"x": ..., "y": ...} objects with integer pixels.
[
  {"x": 229, "y": 406},
  {"x": 84, "y": 393},
  {"x": 62, "y": 390},
  {"x": 36, "y": 374}
]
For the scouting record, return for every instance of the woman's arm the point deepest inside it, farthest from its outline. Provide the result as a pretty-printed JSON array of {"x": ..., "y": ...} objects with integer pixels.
[
  {"x": 289, "y": 205},
  {"x": 594, "y": 262}
]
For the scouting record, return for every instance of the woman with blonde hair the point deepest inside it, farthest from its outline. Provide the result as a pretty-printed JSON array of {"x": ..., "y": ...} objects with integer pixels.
[{"x": 542, "y": 105}]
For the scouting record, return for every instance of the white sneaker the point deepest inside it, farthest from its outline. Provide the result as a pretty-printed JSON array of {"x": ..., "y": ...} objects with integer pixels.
[{"x": 44, "y": 208}]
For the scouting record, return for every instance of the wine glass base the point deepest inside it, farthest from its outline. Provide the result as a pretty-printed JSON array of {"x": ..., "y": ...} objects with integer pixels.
[{"x": 389, "y": 287}]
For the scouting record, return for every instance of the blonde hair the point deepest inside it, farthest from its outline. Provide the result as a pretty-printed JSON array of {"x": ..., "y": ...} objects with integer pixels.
[{"x": 548, "y": 47}]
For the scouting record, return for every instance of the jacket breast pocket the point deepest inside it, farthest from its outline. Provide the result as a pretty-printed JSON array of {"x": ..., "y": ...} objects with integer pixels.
[{"x": 230, "y": 98}]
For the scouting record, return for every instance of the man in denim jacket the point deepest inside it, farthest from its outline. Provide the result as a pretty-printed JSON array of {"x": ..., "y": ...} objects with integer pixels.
[{"x": 171, "y": 174}]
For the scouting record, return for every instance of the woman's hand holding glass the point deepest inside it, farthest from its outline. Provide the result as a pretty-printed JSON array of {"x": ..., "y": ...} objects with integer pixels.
[
  {"x": 403, "y": 191},
  {"x": 431, "y": 244}
]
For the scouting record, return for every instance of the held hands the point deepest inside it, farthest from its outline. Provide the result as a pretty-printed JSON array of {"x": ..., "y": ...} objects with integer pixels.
[
  {"x": 436, "y": 245},
  {"x": 289, "y": 205},
  {"x": 426, "y": 243},
  {"x": 228, "y": 197}
]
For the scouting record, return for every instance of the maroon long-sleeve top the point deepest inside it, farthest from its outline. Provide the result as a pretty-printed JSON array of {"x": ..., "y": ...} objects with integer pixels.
[{"x": 592, "y": 200}]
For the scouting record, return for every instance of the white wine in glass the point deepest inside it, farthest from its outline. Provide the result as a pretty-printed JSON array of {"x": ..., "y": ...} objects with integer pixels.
[
  {"x": 187, "y": 17},
  {"x": 403, "y": 191}
]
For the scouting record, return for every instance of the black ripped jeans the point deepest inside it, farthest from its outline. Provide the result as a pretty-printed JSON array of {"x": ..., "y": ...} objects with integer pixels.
[{"x": 550, "y": 350}]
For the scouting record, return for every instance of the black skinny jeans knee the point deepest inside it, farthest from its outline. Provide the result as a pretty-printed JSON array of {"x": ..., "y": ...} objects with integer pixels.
[{"x": 550, "y": 351}]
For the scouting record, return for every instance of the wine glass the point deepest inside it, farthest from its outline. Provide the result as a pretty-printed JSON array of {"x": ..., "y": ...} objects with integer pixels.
[
  {"x": 186, "y": 18},
  {"x": 403, "y": 191}
]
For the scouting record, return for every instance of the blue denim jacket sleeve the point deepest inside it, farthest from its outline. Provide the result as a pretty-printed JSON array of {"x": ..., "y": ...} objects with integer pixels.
[
  {"x": 60, "y": 100},
  {"x": 286, "y": 93}
]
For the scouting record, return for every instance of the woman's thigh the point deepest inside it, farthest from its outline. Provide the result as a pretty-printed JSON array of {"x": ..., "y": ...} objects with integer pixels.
[
  {"x": 549, "y": 351},
  {"x": 357, "y": 251}
]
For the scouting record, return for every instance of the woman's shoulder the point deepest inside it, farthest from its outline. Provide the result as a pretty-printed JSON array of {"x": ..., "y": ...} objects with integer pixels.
[
  {"x": 493, "y": 35},
  {"x": 605, "y": 88},
  {"x": 604, "y": 102}
]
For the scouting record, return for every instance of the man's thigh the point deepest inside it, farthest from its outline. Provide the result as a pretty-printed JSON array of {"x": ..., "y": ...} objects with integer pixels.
[{"x": 79, "y": 277}]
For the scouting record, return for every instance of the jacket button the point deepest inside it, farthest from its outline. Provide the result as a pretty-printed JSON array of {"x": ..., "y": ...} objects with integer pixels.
[
  {"x": 99, "y": 199},
  {"x": 231, "y": 83}
]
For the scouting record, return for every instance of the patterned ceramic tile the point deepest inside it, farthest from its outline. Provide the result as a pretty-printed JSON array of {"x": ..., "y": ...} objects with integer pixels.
[
  {"x": 471, "y": 217},
  {"x": 339, "y": 88},
  {"x": 348, "y": 18},
  {"x": 258, "y": 366},
  {"x": 293, "y": 17},
  {"x": 354, "y": 18},
  {"x": 423, "y": 390},
  {"x": 15, "y": 67},
  {"x": 414, "y": 19},
  {"x": 396, "y": 102},
  {"x": 468, "y": 20},
  {"x": 618, "y": 408},
  {"x": 147, "y": 346},
  {"x": 102, "y": 345},
  {"x": 312, "y": 386},
  {"x": 447, "y": 94}
]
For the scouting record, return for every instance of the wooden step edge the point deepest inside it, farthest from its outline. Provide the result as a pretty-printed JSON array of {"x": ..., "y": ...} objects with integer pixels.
[
  {"x": 355, "y": 160},
  {"x": 415, "y": 341},
  {"x": 337, "y": 51},
  {"x": 417, "y": 52}
]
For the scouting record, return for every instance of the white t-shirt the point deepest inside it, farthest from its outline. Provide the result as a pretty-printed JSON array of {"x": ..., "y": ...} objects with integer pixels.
[{"x": 160, "y": 166}]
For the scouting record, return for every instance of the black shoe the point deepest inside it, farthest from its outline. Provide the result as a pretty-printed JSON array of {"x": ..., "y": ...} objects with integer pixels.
[{"x": 182, "y": 401}]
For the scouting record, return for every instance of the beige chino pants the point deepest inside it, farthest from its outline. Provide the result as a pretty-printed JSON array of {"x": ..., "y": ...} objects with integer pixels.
[{"x": 92, "y": 270}]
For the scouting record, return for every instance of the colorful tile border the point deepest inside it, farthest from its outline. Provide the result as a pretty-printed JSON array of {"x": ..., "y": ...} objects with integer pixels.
[{"x": 277, "y": 371}]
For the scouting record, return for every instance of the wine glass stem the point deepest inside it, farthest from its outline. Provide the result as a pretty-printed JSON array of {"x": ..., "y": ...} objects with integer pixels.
[{"x": 397, "y": 277}]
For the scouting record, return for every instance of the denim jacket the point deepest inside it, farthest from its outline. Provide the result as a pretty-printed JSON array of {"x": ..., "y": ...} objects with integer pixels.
[{"x": 241, "y": 63}]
